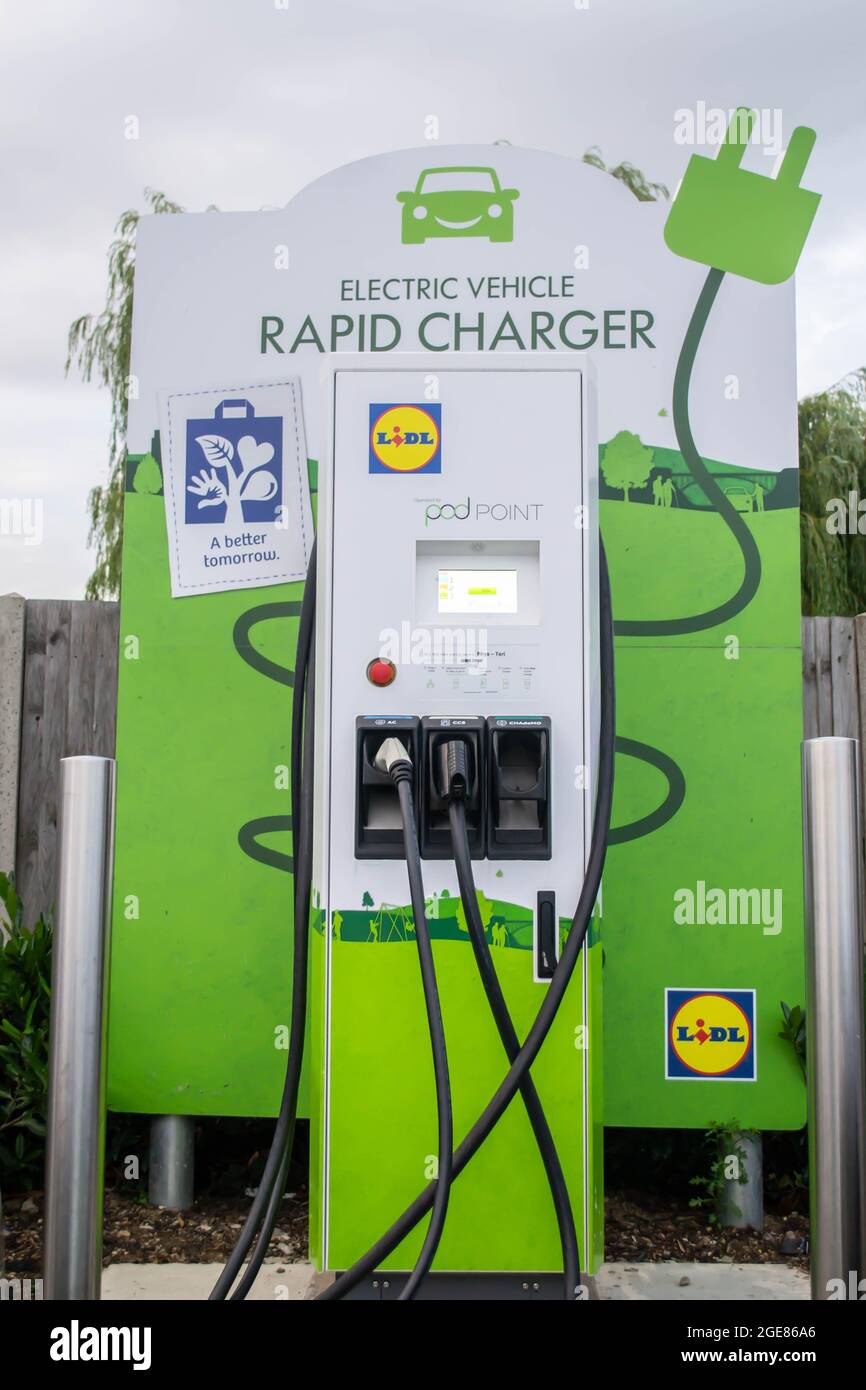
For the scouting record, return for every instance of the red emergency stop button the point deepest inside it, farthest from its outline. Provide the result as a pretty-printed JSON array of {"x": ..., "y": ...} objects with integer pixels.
[{"x": 381, "y": 671}]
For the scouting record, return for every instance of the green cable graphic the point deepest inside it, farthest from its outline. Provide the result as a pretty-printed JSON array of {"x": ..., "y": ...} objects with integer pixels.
[
  {"x": 248, "y": 834},
  {"x": 699, "y": 622},
  {"x": 249, "y": 842},
  {"x": 645, "y": 752},
  {"x": 245, "y": 649}
]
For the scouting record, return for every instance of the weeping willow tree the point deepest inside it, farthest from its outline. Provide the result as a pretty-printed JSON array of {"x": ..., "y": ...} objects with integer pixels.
[
  {"x": 636, "y": 182},
  {"x": 832, "y": 426},
  {"x": 99, "y": 345}
]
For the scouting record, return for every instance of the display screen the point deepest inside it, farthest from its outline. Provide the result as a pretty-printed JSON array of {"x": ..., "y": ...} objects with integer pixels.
[{"x": 477, "y": 591}]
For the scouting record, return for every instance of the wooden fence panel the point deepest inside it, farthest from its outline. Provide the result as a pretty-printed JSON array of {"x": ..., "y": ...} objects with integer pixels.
[
  {"x": 810, "y": 679},
  {"x": 860, "y": 651},
  {"x": 824, "y": 675},
  {"x": 68, "y": 707},
  {"x": 843, "y": 663},
  {"x": 11, "y": 683}
]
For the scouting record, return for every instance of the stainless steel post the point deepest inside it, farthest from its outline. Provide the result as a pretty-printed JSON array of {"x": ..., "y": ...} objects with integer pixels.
[
  {"x": 79, "y": 993},
  {"x": 834, "y": 1016},
  {"x": 172, "y": 1149},
  {"x": 742, "y": 1203}
]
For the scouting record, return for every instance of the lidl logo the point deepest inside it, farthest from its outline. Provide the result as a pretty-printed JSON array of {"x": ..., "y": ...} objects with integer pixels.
[
  {"x": 405, "y": 439},
  {"x": 710, "y": 1035}
]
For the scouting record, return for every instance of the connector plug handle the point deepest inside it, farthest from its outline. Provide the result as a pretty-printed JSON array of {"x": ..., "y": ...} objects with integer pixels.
[
  {"x": 454, "y": 769},
  {"x": 393, "y": 759}
]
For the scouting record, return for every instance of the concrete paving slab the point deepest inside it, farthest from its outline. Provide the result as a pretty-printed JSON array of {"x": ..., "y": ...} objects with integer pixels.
[
  {"x": 277, "y": 1281},
  {"x": 690, "y": 1283},
  {"x": 698, "y": 1283}
]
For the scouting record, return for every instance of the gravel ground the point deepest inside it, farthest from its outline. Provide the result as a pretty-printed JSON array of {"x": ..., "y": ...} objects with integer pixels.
[
  {"x": 135, "y": 1233},
  {"x": 638, "y": 1229}
]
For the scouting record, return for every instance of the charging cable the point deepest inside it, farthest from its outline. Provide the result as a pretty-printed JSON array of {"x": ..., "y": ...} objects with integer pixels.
[
  {"x": 393, "y": 759},
  {"x": 267, "y": 1202},
  {"x": 435, "y": 1195},
  {"x": 555, "y": 991},
  {"x": 455, "y": 784}
]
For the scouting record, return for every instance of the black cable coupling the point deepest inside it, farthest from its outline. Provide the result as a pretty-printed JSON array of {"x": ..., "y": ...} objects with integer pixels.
[{"x": 454, "y": 778}]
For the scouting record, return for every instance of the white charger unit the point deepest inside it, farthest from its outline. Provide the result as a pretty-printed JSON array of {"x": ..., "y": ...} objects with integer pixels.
[{"x": 457, "y": 596}]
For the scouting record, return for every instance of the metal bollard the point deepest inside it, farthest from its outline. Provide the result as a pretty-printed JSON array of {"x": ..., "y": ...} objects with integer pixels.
[
  {"x": 172, "y": 1157},
  {"x": 79, "y": 991},
  {"x": 834, "y": 1017},
  {"x": 742, "y": 1203}
]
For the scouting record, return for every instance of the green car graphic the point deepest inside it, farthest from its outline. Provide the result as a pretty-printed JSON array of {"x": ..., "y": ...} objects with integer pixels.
[{"x": 458, "y": 201}]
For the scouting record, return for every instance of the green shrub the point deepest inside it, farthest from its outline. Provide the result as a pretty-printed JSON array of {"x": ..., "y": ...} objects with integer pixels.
[
  {"x": 723, "y": 1139},
  {"x": 794, "y": 1032},
  {"x": 25, "y": 997}
]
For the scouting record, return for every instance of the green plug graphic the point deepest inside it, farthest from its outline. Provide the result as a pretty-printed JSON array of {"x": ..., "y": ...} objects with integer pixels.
[{"x": 731, "y": 219}]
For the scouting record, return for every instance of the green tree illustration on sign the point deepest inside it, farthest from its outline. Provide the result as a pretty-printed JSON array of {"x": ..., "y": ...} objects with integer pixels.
[
  {"x": 485, "y": 909},
  {"x": 148, "y": 478},
  {"x": 626, "y": 463}
]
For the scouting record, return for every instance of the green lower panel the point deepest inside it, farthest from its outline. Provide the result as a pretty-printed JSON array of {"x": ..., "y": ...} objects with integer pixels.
[
  {"x": 732, "y": 727},
  {"x": 202, "y": 924},
  {"x": 382, "y": 1113}
]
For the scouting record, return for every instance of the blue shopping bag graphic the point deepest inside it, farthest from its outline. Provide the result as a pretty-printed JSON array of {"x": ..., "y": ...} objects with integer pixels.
[{"x": 234, "y": 467}]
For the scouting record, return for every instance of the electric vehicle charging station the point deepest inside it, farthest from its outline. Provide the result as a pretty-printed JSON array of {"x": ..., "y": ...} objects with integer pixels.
[
  {"x": 457, "y": 600},
  {"x": 499, "y": 395}
]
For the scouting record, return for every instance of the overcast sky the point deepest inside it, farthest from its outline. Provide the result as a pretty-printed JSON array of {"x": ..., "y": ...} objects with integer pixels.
[{"x": 242, "y": 102}]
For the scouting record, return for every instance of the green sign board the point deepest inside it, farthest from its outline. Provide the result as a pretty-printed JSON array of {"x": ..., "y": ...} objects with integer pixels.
[{"x": 701, "y": 926}]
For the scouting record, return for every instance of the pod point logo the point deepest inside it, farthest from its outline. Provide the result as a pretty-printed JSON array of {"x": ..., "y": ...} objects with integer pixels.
[
  {"x": 710, "y": 1035},
  {"x": 405, "y": 438}
]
